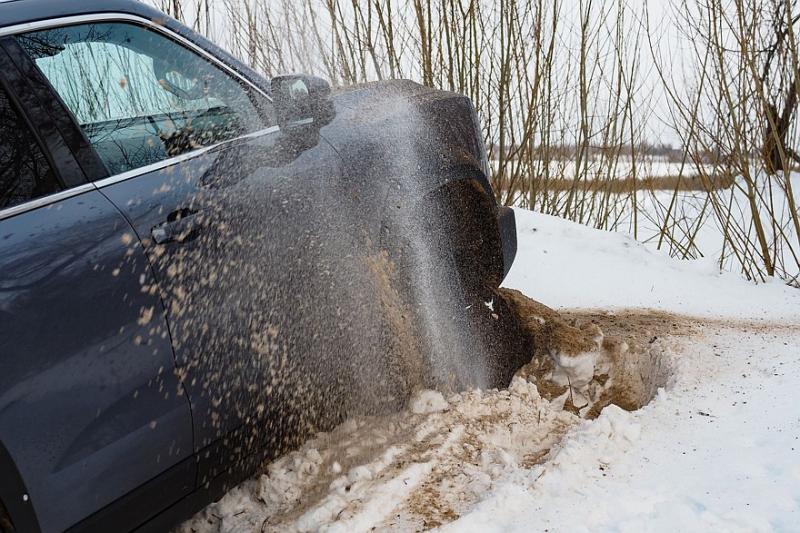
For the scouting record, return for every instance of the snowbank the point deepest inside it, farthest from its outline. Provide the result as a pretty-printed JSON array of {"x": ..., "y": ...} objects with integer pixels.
[{"x": 565, "y": 265}]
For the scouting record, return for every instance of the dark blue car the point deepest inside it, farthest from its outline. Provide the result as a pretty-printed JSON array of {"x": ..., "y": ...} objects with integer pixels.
[{"x": 199, "y": 268}]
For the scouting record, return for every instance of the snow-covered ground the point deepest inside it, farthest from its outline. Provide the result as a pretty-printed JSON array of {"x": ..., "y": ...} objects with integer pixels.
[
  {"x": 566, "y": 265},
  {"x": 696, "y": 223},
  {"x": 717, "y": 449}
]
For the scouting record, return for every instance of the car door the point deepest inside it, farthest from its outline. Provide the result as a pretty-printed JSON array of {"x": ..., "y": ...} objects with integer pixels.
[
  {"x": 178, "y": 133},
  {"x": 91, "y": 408}
]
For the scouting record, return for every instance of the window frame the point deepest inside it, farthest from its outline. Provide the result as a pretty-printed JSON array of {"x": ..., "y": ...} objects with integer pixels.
[
  {"x": 156, "y": 26},
  {"x": 29, "y": 121}
]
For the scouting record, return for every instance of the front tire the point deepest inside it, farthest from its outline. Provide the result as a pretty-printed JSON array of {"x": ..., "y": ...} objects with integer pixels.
[{"x": 472, "y": 225}]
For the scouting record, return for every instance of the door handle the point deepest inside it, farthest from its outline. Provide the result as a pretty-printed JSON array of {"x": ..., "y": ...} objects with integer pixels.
[{"x": 181, "y": 226}]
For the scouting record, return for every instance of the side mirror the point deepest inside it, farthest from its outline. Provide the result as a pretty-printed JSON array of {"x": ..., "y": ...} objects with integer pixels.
[{"x": 302, "y": 103}]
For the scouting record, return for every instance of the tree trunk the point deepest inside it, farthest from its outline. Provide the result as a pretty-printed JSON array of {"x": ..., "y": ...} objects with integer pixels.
[{"x": 775, "y": 153}]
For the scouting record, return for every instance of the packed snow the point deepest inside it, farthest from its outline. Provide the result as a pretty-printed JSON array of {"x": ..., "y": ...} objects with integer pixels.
[{"x": 716, "y": 449}]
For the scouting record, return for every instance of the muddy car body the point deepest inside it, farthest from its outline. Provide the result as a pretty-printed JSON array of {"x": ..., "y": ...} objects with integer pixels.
[{"x": 199, "y": 268}]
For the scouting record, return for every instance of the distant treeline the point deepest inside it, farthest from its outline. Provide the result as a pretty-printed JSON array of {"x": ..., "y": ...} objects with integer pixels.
[{"x": 644, "y": 150}]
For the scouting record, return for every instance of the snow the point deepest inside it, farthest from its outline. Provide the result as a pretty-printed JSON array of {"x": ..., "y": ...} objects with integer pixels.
[
  {"x": 566, "y": 265},
  {"x": 427, "y": 402},
  {"x": 697, "y": 222},
  {"x": 715, "y": 450},
  {"x": 718, "y": 452}
]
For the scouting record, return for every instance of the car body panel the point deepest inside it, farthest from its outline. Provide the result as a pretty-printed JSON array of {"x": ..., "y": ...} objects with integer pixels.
[
  {"x": 240, "y": 291},
  {"x": 77, "y": 326}
]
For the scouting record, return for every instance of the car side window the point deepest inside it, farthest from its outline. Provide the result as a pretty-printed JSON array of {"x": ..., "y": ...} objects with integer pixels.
[
  {"x": 24, "y": 171},
  {"x": 139, "y": 96}
]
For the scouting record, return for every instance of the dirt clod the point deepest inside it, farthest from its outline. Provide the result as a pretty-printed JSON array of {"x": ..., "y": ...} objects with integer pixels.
[{"x": 628, "y": 368}]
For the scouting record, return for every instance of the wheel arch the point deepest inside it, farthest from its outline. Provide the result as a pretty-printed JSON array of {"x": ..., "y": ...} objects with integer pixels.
[{"x": 471, "y": 221}]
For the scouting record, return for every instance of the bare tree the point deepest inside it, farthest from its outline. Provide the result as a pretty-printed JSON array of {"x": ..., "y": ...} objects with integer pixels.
[{"x": 565, "y": 96}]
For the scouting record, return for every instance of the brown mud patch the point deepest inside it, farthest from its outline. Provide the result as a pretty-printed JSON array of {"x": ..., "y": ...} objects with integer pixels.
[
  {"x": 628, "y": 367},
  {"x": 404, "y": 358}
]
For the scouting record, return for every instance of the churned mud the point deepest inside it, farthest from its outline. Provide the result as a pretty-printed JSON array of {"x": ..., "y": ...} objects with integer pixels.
[
  {"x": 591, "y": 359},
  {"x": 434, "y": 460}
]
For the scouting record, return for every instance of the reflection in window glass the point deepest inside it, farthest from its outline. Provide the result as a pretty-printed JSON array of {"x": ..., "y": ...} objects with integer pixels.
[
  {"x": 24, "y": 172},
  {"x": 140, "y": 97}
]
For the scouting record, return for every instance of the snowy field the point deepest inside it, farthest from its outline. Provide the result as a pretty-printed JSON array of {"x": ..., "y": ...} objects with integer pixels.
[
  {"x": 697, "y": 221},
  {"x": 716, "y": 450}
]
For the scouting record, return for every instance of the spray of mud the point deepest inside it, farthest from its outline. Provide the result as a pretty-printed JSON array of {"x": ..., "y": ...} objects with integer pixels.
[
  {"x": 430, "y": 299},
  {"x": 430, "y": 463},
  {"x": 298, "y": 294}
]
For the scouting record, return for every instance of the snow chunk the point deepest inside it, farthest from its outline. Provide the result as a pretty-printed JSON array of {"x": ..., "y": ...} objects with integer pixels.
[
  {"x": 587, "y": 451},
  {"x": 427, "y": 402},
  {"x": 576, "y": 371}
]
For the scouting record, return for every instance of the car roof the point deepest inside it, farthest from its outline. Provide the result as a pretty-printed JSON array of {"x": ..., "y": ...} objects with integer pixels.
[{"x": 16, "y": 12}]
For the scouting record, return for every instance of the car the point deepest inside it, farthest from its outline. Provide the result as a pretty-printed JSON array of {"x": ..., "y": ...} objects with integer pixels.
[{"x": 200, "y": 267}]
